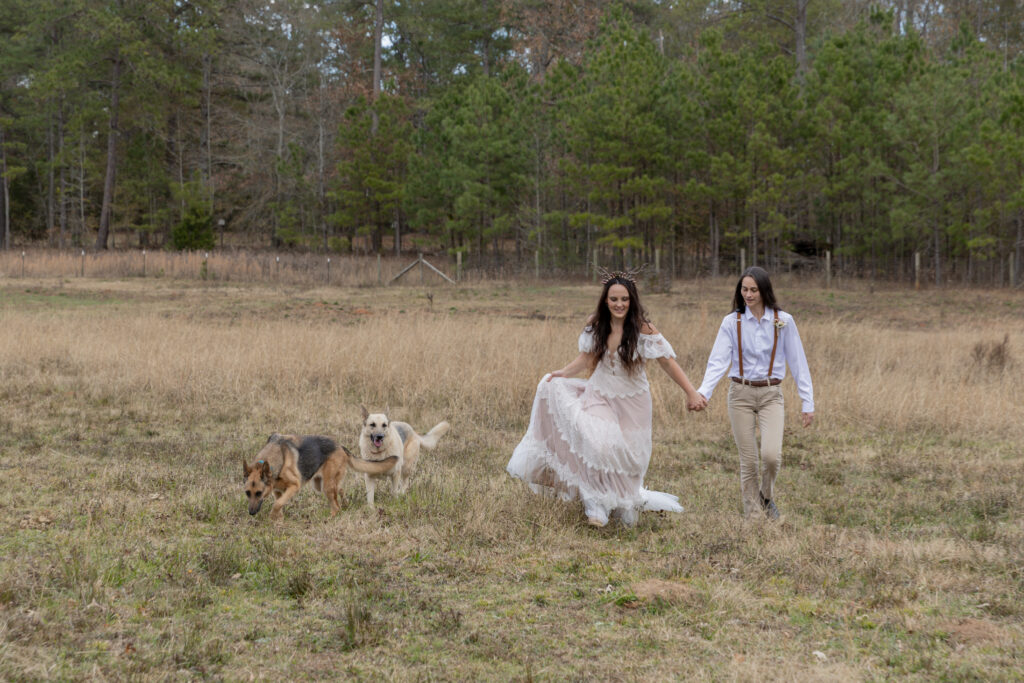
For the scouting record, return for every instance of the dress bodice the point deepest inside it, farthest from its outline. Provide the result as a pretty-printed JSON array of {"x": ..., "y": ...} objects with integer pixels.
[{"x": 611, "y": 378}]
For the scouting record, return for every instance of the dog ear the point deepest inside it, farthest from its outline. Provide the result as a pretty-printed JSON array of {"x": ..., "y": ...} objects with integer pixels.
[
  {"x": 364, "y": 411},
  {"x": 387, "y": 412},
  {"x": 265, "y": 470},
  {"x": 245, "y": 468}
]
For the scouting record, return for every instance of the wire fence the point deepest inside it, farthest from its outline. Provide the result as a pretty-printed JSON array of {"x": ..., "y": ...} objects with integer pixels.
[
  {"x": 287, "y": 268},
  {"x": 311, "y": 269}
]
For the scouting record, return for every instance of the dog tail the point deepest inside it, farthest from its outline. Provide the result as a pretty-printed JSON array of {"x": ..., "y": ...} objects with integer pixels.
[
  {"x": 429, "y": 440},
  {"x": 371, "y": 466}
]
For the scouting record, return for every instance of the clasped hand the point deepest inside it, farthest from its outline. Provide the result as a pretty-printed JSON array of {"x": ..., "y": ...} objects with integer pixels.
[{"x": 696, "y": 403}]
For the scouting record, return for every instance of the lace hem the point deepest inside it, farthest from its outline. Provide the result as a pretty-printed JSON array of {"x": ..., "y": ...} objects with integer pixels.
[
  {"x": 608, "y": 437},
  {"x": 612, "y": 385},
  {"x": 548, "y": 477},
  {"x": 540, "y": 468}
]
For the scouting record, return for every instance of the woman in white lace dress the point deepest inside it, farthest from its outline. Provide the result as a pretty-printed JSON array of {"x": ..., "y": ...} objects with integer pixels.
[{"x": 590, "y": 439}]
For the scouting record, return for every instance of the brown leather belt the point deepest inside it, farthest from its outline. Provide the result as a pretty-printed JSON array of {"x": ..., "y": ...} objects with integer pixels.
[{"x": 758, "y": 382}]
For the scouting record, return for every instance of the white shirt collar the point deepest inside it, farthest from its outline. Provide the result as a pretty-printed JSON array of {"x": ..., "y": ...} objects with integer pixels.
[{"x": 767, "y": 315}]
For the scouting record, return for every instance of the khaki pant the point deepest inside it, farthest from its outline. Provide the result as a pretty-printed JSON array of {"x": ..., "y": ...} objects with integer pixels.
[{"x": 750, "y": 409}]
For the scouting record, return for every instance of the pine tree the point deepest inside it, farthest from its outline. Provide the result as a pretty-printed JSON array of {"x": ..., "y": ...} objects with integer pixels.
[{"x": 372, "y": 174}]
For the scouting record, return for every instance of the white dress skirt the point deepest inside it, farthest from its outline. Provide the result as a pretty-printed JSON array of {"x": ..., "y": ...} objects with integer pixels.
[{"x": 591, "y": 439}]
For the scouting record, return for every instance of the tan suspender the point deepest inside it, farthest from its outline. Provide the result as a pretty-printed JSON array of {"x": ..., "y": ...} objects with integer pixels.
[{"x": 739, "y": 342}]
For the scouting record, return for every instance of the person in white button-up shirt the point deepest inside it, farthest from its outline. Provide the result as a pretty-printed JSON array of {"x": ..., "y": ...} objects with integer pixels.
[{"x": 754, "y": 346}]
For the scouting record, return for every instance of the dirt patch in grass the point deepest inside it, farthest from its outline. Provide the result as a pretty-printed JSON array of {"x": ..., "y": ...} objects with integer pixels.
[
  {"x": 668, "y": 592},
  {"x": 970, "y": 631}
]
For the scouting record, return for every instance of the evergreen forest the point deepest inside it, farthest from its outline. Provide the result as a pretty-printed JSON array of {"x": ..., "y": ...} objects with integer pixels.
[{"x": 524, "y": 132}]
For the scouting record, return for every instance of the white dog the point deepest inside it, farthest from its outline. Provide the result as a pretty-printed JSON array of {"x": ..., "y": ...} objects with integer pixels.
[{"x": 381, "y": 438}]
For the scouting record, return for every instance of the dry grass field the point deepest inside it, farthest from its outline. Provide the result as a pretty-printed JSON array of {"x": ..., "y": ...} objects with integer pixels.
[{"x": 127, "y": 551}]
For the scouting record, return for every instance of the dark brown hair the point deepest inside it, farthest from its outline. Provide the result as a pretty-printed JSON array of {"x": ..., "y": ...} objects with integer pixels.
[
  {"x": 601, "y": 326},
  {"x": 764, "y": 287}
]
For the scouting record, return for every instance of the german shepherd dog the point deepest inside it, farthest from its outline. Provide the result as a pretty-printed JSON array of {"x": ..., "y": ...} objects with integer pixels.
[
  {"x": 287, "y": 462},
  {"x": 382, "y": 438}
]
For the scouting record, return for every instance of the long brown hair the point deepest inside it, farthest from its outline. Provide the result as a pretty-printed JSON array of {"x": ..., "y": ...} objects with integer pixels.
[
  {"x": 601, "y": 326},
  {"x": 764, "y": 287}
]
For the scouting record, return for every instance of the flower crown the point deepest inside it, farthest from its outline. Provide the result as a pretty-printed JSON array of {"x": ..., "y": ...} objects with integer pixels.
[{"x": 630, "y": 274}]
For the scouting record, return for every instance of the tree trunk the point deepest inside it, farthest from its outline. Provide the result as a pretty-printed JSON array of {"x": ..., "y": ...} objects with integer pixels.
[
  {"x": 486, "y": 47},
  {"x": 108, "y": 183},
  {"x": 321, "y": 163},
  {"x": 5, "y": 195},
  {"x": 63, "y": 207},
  {"x": 800, "y": 36},
  {"x": 82, "y": 175},
  {"x": 537, "y": 215},
  {"x": 1019, "y": 250},
  {"x": 208, "y": 131},
  {"x": 715, "y": 240},
  {"x": 51, "y": 181},
  {"x": 398, "y": 234},
  {"x": 378, "y": 31},
  {"x": 179, "y": 150},
  {"x": 753, "y": 238},
  {"x": 937, "y": 232}
]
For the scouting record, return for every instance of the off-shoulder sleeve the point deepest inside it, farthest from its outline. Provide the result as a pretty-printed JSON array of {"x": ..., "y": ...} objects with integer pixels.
[
  {"x": 655, "y": 346},
  {"x": 587, "y": 340}
]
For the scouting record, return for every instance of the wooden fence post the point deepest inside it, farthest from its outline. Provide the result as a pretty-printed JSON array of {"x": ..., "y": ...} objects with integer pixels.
[
  {"x": 458, "y": 266},
  {"x": 743, "y": 259},
  {"x": 917, "y": 270},
  {"x": 828, "y": 269}
]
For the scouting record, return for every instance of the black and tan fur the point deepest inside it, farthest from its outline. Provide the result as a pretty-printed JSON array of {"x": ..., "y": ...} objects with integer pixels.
[
  {"x": 287, "y": 462},
  {"x": 382, "y": 438}
]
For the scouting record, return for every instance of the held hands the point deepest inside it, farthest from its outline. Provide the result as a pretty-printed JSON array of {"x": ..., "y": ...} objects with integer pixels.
[
  {"x": 696, "y": 402},
  {"x": 808, "y": 418}
]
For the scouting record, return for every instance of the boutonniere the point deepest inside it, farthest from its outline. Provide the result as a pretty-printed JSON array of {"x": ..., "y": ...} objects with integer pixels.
[{"x": 780, "y": 323}]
